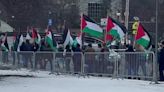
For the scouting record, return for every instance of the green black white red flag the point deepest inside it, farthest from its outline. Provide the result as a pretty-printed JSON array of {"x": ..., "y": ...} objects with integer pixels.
[
  {"x": 142, "y": 37},
  {"x": 114, "y": 30},
  {"x": 90, "y": 27}
]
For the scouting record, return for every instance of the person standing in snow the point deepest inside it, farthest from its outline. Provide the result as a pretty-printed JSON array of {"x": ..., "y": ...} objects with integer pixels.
[
  {"x": 161, "y": 62},
  {"x": 90, "y": 58}
]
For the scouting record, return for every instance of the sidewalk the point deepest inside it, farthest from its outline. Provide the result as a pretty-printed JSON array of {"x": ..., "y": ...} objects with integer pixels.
[
  {"x": 8, "y": 72},
  {"x": 7, "y": 67}
]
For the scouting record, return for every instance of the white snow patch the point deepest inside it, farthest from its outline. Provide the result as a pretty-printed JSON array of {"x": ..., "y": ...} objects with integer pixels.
[{"x": 67, "y": 83}]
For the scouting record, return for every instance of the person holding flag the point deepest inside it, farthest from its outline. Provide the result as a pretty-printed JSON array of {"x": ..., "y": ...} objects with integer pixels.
[
  {"x": 4, "y": 48},
  {"x": 142, "y": 44},
  {"x": 49, "y": 39},
  {"x": 36, "y": 39},
  {"x": 36, "y": 36},
  {"x": 67, "y": 43},
  {"x": 49, "y": 45}
]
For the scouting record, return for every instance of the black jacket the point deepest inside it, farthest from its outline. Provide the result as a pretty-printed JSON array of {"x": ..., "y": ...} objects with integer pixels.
[{"x": 161, "y": 58}]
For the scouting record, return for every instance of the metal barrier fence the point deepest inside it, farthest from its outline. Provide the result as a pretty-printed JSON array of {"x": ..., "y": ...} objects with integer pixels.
[
  {"x": 59, "y": 62},
  {"x": 115, "y": 64},
  {"x": 18, "y": 59},
  {"x": 136, "y": 64},
  {"x": 121, "y": 64}
]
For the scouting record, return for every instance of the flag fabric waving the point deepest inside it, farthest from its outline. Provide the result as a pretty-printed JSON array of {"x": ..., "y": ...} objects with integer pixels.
[
  {"x": 115, "y": 30},
  {"x": 18, "y": 42},
  {"x": 50, "y": 39},
  {"x": 36, "y": 36},
  {"x": 67, "y": 38},
  {"x": 15, "y": 41},
  {"x": 90, "y": 27},
  {"x": 28, "y": 37},
  {"x": 142, "y": 37},
  {"x": 4, "y": 44}
]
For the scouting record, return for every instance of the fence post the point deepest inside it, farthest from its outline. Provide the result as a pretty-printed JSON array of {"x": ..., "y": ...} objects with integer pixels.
[
  {"x": 51, "y": 62},
  {"x": 115, "y": 68},
  {"x": 82, "y": 63},
  {"x": 35, "y": 62},
  {"x": 18, "y": 59},
  {"x": 155, "y": 72},
  {"x": 123, "y": 61},
  {"x": 14, "y": 57}
]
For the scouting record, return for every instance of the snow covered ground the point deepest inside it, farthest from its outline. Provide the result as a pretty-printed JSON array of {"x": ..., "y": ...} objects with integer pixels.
[{"x": 43, "y": 82}]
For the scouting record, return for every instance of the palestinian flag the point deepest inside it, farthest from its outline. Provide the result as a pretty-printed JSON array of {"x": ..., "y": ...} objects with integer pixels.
[
  {"x": 4, "y": 44},
  {"x": 67, "y": 38},
  {"x": 36, "y": 36},
  {"x": 114, "y": 29},
  {"x": 50, "y": 39},
  {"x": 142, "y": 37},
  {"x": 18, "y": 42},
  {"x": 90, "y": 27},
  {"x": 28, "y": 37}
]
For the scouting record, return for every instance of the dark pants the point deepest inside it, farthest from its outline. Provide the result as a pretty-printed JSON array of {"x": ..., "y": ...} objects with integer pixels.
[
  {"x": 161, "y": 70},
  {"x": 91, "y": 66},
  {"x": 14, "y": 57},
  {"x": 5, "y": 57},
  {"x": 26, "y": 59},
  {"x": 77, "y": 63},
  {"x": 67, "y": 62}
]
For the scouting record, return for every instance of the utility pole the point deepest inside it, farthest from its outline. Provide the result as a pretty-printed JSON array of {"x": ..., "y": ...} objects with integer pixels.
[
  {"x": 127, "y": 14},
  {"x": 126, "y": 19},
  {"x": 156, "y": 44}
]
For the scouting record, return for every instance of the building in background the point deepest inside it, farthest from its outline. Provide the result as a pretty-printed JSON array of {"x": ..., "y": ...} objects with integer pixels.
[
  {"x": 116, "y": 10},
  {"x": 98, "y": 9},
  {"x": 92, "y": 8},
  {"x": 22, "y": 13},
  {"x": 83, "y": 5}
]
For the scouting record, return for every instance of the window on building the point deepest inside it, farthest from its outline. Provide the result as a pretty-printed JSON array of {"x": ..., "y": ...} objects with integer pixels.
[{"x": 95, "y": 11}]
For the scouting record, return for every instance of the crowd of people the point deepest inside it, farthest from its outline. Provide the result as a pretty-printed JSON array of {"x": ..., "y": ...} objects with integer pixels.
[{"x": 94, "y": 63}]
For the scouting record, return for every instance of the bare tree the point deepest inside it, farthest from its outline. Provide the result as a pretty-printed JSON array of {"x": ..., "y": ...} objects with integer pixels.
[{"x": 23, "y": 13}]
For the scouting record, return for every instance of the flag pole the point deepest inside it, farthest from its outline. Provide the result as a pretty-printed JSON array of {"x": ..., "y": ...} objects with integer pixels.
[
  {"x": 105, "y": 40},
  {"x": 81, "y": 22},
  {"x": 81, "y": 28}
]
